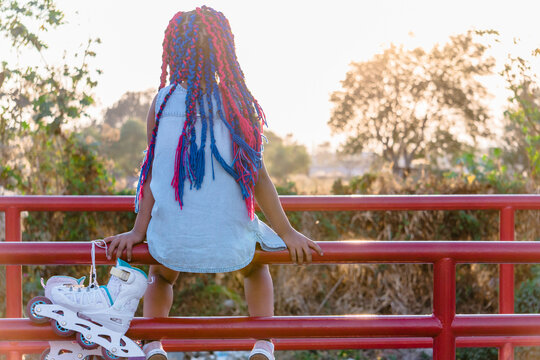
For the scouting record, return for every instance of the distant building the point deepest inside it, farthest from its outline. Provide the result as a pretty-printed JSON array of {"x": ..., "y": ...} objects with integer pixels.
[{"x": 326, "y": 164}]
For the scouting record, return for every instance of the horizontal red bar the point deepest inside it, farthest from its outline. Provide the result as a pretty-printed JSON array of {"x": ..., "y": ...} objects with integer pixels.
[
  {"x": 246, "y": 344},
  {"x": 500, "y": 324},
  {"x": 31, "y": 347},
  {"x": 291, "y": 203},
  {"x": 255, "y": 327},
  {"x": 57, "y": 253},
  {"x": 497, "y": 341},
  {"x": 299, "y": 326}
]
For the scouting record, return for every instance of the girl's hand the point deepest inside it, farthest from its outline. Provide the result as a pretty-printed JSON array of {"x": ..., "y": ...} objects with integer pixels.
[
  {"x": 121, "y": 242},
  {"x": 300, "y": 246}
]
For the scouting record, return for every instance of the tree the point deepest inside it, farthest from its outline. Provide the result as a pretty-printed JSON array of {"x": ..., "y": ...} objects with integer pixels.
[
  {"x": 39, "y": 154},
  {"x": 284, "y": 157},
  {"x": 37, "y": 100},
  {"x": 127, "y": 152},
  {"x": 132, "y": 105},
  {"x": 121, "y": 133},
  {"x": 523, "y": 115},
  {"x": 407, "y": 104}
]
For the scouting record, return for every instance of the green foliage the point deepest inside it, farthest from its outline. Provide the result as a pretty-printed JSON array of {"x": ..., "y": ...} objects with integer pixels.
[
  {"x": 357, "y": 185},
  {"x": 127, "y": 152},
  {"x": 132, "y": 105},
  {"x": 523, "y": 115},
  {"x": 289, "y": 188},
  {"x": 284, "y": 157},
  {"x": 476, "y": 354},
  {"x": 528, "y": 293},
  {"x": 39, "y": 154},
  {"x": 202, "y": 295},
  {"x": 121, "y": 136},
  {"x": 462, "y": 225},
  {"x": 489, "y": 168},
  {"x": 409, "y": 102},
  {"x": 13, "y": 23},
  {"x": 64, "y": 165},
  {"x": 527, "y": 353},
  {"x": 37, "y": 99}
]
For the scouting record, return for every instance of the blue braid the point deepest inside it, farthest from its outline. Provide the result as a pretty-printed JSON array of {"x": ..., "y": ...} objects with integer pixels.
[
  {"x": 178, "y": 55},
  {"x": 210, "y": 89},
  {"x": 190, "y": 130},
  {"x": 199, "y": 164},
  {"x": 150, "y": 152}
]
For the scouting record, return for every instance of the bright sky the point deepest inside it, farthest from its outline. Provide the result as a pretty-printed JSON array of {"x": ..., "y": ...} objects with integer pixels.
[{"x": 294, "y": 53}]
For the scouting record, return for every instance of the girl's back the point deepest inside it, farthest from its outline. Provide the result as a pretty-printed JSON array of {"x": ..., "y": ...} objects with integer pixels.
[{"x": 213, "y": 231}]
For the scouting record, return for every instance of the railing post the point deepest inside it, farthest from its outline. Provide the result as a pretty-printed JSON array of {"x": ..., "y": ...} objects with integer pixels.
[
  {"x": 444, "y": 308},
  {"x": 13, "y": 273},
  {"x": 506, "y": 277}
]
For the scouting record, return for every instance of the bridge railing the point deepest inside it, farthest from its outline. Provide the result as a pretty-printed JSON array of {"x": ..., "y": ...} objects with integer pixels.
[{"x": 442, "y": 330}]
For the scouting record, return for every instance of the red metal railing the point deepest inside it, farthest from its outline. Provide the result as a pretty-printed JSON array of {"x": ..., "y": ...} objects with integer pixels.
[{"x": 443, "y": 329}]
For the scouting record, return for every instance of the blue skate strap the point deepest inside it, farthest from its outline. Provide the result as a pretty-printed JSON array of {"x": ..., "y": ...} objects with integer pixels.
[{"x": 108, "y": 294}]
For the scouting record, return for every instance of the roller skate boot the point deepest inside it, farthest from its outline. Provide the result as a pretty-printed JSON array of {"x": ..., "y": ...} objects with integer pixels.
[{"x": 99, "y": 315}]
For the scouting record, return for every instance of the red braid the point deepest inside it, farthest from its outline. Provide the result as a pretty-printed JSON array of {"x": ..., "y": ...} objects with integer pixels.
[{"x": 170, "y": 33}]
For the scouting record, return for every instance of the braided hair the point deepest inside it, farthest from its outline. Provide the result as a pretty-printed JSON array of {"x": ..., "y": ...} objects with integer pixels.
[{"x": 198, "y": 50}]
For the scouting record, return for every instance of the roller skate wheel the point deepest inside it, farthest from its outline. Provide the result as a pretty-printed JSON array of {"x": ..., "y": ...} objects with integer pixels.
[
  {"x": 45, "y": 354},
  {"x": 33, "y": 309},
  {"x": 109, "y": 355},
  {"x": 60, "y": 330},
  {"x": 84, "y": 342}
]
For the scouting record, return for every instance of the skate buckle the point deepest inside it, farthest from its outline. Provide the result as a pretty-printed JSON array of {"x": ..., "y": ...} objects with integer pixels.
[
  {"x": 121, "y": 274},
  {"x": 74, "y": 286}
]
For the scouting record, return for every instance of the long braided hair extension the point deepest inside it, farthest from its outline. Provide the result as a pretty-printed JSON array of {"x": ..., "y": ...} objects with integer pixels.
[{"x": 198, "y": 50}]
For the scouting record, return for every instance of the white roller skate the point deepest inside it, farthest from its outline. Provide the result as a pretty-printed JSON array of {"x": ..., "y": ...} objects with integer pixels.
[{"x": 99, "y": 315}]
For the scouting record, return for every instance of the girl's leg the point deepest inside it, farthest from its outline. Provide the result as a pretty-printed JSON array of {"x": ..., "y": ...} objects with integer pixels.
[
  {"x": 259, "y": 290},
  {"x": 157, "y": 302},
  {"x": 158, "y": 298},
  {"x": 260, "y": 299}
]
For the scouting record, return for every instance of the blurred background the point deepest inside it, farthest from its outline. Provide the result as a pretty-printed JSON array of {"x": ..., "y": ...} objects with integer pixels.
[{"x": 386, "y": 97}]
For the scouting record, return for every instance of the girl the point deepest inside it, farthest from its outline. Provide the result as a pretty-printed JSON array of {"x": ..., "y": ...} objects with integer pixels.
[{"x": 206, "y": 128}]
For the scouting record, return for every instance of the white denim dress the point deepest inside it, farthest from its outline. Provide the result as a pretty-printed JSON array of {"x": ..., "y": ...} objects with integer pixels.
[{"x": 212, "y": 232}]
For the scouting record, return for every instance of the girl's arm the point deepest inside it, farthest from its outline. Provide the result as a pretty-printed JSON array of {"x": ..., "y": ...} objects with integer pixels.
[
  {"x": 267, "y": 198},
  {"x": 127, "y": 240}
]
